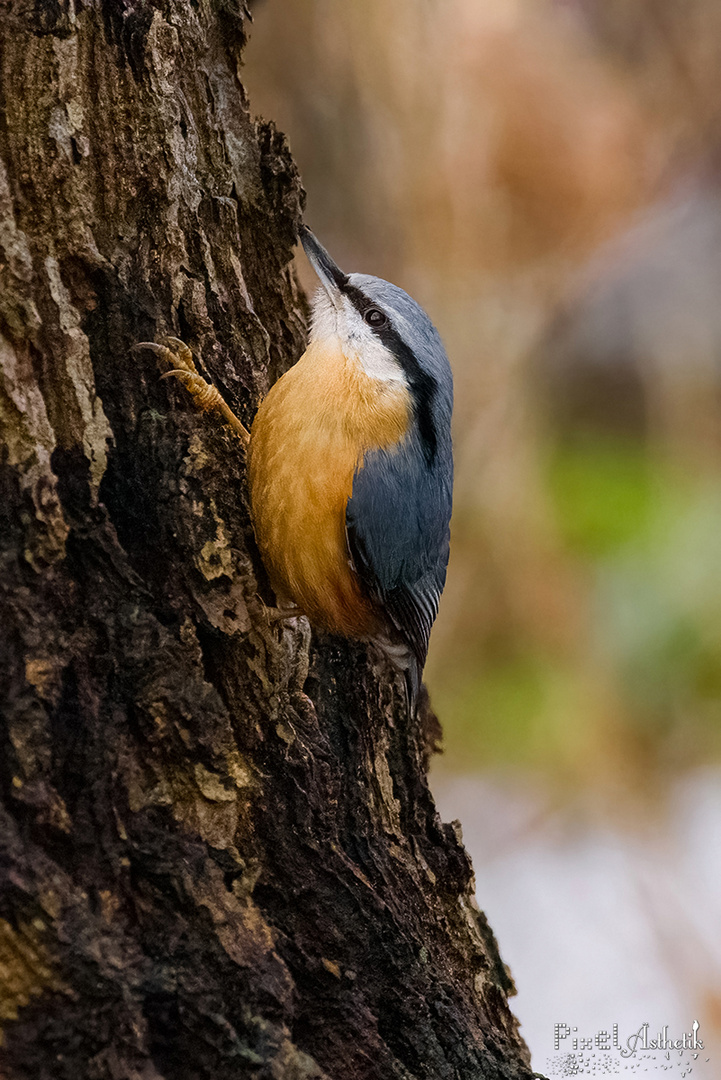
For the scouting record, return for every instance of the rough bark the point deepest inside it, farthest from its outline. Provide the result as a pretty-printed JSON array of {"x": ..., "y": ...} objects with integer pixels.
[{"x": 219, "y": 856}]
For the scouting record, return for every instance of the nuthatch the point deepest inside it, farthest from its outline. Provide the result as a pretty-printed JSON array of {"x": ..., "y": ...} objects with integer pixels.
[{"x": 350, "y": 466}]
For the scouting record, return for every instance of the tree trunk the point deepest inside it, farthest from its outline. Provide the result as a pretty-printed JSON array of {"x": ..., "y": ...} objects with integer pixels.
[{"x": 219, "y": 856}]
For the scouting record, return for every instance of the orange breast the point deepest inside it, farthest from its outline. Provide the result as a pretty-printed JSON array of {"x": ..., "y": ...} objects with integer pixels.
[{"x": 308, "y": 438}]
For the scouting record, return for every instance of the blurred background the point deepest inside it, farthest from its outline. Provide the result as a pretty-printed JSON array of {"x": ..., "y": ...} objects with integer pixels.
[{"x": 544, "y": 177}]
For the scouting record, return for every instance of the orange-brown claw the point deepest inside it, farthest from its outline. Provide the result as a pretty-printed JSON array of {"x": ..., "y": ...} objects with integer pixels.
[
  {"x": 182, "y": 354},
  {"x": 272, "y": 615},
  {"x": 204, "y": 394},
  {"x": 179, "y": 355}
]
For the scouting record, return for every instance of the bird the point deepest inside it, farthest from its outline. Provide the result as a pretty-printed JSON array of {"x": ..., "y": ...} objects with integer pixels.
[{"x": 350, "y": 466}]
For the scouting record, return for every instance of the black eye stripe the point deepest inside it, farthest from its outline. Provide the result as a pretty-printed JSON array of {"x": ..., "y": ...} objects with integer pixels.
[
  {"x": 363, "y": 305},
  {"x": 422, "y": 385}
]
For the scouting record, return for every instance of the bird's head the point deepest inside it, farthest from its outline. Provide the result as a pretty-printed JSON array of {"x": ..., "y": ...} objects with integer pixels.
[{"x": 380, "y": 327}]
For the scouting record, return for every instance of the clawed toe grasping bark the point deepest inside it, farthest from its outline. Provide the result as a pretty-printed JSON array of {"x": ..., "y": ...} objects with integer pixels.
[
  {"x": 277, "y": 614},
  {"x": 205, "y": 396}
]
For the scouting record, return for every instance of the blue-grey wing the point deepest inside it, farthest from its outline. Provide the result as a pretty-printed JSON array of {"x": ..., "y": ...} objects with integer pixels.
[{"x": 397, "y": 523}]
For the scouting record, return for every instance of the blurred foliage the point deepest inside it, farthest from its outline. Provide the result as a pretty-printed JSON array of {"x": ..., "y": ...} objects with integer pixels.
[
  {"x": 603, "y": 492},
  {"x": 544, "y": 176},
  {"x": 644, "y": 537}
]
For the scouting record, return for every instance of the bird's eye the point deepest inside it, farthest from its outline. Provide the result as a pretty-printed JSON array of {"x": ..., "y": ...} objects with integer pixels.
[{"x": 375, "y": 317}]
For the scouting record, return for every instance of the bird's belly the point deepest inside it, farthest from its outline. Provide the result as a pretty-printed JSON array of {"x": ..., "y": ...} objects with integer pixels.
[
  {"x": 306, "y": 443},
  {"x": 299, "y": 519}
]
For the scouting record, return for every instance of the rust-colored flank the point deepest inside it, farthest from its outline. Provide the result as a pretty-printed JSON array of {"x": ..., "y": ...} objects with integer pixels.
[{"x": 308, "y": 438}]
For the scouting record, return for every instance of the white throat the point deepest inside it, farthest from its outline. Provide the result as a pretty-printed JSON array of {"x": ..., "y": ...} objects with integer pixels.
[{"x": 341, "y": 321}]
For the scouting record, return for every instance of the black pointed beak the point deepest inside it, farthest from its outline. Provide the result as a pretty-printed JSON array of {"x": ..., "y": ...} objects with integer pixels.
[{"x": 330, "y": 275}]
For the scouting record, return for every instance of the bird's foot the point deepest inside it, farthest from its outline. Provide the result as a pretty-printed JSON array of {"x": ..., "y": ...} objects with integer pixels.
[
  {"x": 280, "y": 614},
  {"x": 204, "y": 394}
]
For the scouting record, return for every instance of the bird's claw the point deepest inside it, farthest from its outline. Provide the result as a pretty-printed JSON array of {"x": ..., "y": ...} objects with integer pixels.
[
  {"x": 182, "y": 354},
  {"x": 272, "y": 615},
  {"x": 204, "y": 394},
  {"x": 175, "y": 352}
]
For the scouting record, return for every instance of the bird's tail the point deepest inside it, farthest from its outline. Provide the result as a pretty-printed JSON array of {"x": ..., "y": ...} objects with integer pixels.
[
  {"x": 405, "y": 661},
  {"x": 413, "y": 679}
]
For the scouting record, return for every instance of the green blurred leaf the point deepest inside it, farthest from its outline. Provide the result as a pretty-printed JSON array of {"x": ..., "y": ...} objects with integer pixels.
[{"x": 602, "y": 492}]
